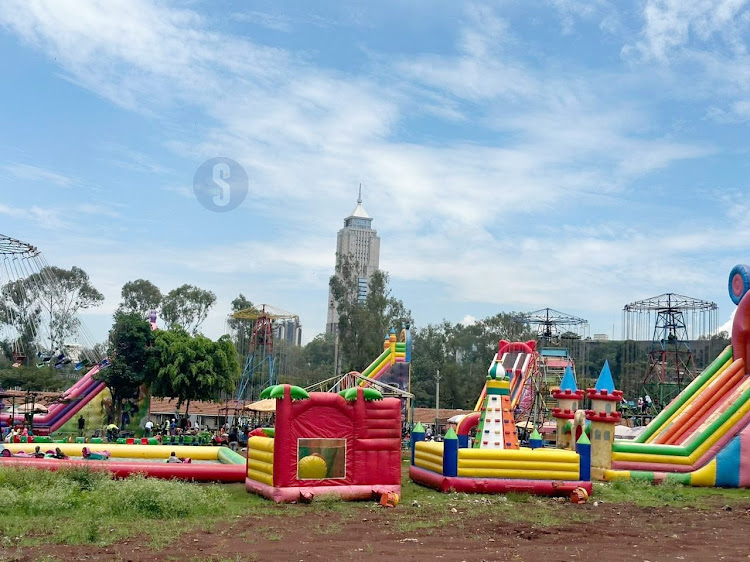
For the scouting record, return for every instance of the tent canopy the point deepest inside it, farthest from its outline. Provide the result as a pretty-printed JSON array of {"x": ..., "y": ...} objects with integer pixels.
[
  {"x": 36, "y": 407},
  {"x": 267, "y": 405}
]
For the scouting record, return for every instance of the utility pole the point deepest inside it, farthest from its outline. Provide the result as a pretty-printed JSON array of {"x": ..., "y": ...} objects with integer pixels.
[
  {"x": 336, "y": 352},
  {"x": 437, "y": 402}
]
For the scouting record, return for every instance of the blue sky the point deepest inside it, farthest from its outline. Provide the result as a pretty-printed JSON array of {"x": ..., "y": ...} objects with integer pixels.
[{"x": 514, "y": 155}]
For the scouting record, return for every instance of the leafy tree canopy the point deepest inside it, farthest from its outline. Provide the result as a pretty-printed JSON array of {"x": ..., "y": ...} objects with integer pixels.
[
  {"x": 190, "y": 368},
  {"x": 130, "y": 341},
  {"x": 140, "y": 297},
  {"x": 242, "y": 329},
  {"x": 61, "y": 294},
  {"x": 21, "y": 313},
  {"x": 31, "y": 378},
  {"x": 187, "y": 306}
]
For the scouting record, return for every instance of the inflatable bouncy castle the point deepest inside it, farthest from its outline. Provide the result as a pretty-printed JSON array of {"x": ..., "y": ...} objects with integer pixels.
[
  {"x": 346, "y": 445},
  {"x": 496, "y": 463}
]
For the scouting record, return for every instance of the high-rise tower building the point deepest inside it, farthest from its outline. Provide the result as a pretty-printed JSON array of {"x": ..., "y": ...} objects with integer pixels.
[{"x": 359, "y": 241}]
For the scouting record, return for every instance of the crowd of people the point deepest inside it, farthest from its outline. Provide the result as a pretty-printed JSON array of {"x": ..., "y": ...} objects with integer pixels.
[
  {"x": 13, "y": 434},
  {"x": 173, "y": 429}
]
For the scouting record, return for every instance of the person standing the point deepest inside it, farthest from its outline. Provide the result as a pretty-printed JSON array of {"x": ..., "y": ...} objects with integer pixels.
[
  {"x": 149, "y": 428},
  {"x": 81, "y": 425}
]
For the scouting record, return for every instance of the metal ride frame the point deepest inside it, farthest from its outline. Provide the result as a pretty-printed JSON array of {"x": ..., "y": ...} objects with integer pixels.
[
  {"x": 551, "y": 325},
  {"x": 677, "y": 319},
  {"x": 260, "y": 367}
]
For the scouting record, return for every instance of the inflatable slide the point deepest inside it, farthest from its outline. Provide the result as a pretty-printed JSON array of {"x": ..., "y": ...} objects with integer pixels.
[
  {"x": 702, "y": 438},
  {"x": 67, "y": 406},
  {"x": 518, "y": 360}
]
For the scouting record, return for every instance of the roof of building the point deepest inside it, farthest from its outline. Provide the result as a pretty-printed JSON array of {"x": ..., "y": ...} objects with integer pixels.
[
  {"x": 359, "y": 212},
  {"x": 557, "y": 363},
  {"x": 427, "y": 415},
  {"x": 22, "y": 396},
  {"x": 197, "y": 407}
]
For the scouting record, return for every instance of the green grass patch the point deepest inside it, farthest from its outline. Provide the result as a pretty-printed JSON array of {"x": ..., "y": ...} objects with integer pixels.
[
  {"x": 81, "y": 506},
  {"x": 645, "y": 494}
]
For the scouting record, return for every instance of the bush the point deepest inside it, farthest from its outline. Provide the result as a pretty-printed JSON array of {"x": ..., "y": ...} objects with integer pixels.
[{"x": 85, "y": 477}]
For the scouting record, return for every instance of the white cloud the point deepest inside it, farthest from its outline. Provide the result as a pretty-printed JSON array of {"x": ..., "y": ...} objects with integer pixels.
[
  {"x": 727, "y": 326},
  {"x": 181, "y": 190},
  {"x": 468, "y": 320},
  {"x": 130, "y": 159},
  {"x": 276, "y": 22},
  {"x": 570, "y": 11},
  {"x": 11, "y": 211},
  {"x": 672, "y": 25},
  {"x": 49, "y": 218},
  {"x": 100, "y": 210},
  {"x": 37, "y": 174}
]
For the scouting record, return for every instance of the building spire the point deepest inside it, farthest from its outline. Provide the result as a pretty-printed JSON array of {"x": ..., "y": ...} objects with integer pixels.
[{"x": 359, "y": 211}]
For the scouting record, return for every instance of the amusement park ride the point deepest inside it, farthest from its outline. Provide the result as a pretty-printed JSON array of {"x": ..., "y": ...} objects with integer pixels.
[
  {"x": 554, "y": 358},
  {"x": 255, "y": 329},
  {"x": 676, "y": 320},
  {"x": 30, "y": 299}
]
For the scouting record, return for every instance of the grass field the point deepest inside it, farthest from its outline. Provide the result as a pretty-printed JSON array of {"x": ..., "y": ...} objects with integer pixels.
[{"x": 80, "y": 506}]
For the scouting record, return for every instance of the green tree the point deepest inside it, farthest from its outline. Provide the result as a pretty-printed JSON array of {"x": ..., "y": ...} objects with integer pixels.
[
  {"x": 363, "y": 323},
  {"x": 502, "y": 326},
  {"x": 187, "y": 306},
  {"x": 191, "y": 368},
  {"x": 62, "y": 293},
  {"x": 22, "y": 314},
  {"x": 130, "y": 342},
  {"x": 31, "y": 378},
  {"x": 242, "y": 329},
  {"x": 318, "y": 355},
  {"x": 462, "y": 354},
  {"x": 140, "y": 297}
]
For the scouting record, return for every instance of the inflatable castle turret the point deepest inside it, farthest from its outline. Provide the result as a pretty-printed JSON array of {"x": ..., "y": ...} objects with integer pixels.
[
  {"x": 497, "y": 429},
  {"x": 603, "y": 416},
  {"x": 569, "y": 398}
]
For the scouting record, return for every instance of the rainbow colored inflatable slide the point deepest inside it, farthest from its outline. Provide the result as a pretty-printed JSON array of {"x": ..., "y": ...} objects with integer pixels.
[
  {"x": 392, "y": 366},
  {"x": 702, "y": 438}
]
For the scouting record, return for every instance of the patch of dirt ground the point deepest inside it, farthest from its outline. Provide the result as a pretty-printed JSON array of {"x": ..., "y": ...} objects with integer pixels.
[{"x": 605, "y": 532}]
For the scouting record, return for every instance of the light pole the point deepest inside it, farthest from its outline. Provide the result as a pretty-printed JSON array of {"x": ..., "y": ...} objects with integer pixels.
[{"x": 437, "y": 401}]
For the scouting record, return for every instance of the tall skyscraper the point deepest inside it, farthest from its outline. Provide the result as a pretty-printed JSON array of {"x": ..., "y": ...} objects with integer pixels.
[{"x": 359, "y": 241}]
